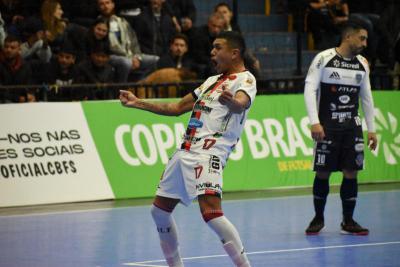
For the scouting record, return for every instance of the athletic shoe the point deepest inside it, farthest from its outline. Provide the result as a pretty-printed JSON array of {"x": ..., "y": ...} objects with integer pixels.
[
  {"x": 315, "y": 226},
  {"x": 353, "y": 228}
]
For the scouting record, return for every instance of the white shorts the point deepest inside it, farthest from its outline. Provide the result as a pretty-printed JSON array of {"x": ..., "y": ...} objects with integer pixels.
[{"x": 189, "y": 174}]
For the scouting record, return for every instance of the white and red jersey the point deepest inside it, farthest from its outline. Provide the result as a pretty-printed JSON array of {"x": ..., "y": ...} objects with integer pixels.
[{"x": 213, "y": 129}]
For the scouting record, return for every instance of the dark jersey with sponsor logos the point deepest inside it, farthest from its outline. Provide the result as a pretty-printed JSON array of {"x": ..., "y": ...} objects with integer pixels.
[{"x": 333, "y": 88}]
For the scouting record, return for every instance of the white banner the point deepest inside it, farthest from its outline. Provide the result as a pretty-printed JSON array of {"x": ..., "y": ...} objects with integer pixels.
[{"x": 47, "y": 155}]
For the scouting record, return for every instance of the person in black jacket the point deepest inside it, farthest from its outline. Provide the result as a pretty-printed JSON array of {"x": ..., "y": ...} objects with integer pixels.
[
  {"x": 14, "y": 71},
  {"x": 155, "y": 29}
]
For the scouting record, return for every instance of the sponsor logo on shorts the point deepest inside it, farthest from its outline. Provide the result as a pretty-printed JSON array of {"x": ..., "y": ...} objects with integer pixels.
[
  {"x": 195, "y": 123},
  {"x": 333, "y": 106},
  {"x": 207, "y": 186}
]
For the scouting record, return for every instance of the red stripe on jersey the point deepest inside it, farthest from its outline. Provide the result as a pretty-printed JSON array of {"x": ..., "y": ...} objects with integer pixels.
[{"x": 197, "y": 115}]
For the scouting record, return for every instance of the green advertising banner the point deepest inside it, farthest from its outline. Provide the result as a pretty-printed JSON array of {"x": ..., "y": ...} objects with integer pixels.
[{"x": 275, "y": 149}]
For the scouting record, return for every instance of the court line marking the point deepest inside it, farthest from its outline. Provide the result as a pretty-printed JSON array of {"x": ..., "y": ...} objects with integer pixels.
[
  {"x": 146, "y": 206},
  {"x": 144, "y": 263}
]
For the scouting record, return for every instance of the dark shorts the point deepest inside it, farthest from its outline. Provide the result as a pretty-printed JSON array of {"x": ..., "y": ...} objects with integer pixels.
[{"x": 340, "y": 150}]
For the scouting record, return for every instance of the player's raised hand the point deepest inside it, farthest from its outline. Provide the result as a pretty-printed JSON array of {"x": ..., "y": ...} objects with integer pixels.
[
  {"x": 128, "y": 99},
  {"x": 372, "y": 141},
  {"x": 317, "y": 132}
]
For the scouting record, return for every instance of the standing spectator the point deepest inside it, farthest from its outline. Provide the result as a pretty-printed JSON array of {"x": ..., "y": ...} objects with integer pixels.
[
  {"x": 155, "y": 29},
  {"x": 125, "y": 48},
  {"x": 226, "y": 12},
  {"x": 14, "y": 70},
  {"x": 201, "y": 42}
]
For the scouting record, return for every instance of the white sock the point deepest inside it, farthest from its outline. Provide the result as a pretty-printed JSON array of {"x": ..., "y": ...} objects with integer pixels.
[
  {"x": 167, "y": 232},
  {"x": 230, "y": 239}
]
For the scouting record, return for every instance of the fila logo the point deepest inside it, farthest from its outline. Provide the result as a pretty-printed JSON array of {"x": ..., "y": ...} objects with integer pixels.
[
  {"x": 198, "y": 170},
  {"x": 335, "y": 76}
]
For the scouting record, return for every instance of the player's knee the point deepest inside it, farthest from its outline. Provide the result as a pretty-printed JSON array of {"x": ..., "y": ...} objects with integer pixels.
[
  {"x": 210, "y": 214},
  {"x": 350, "y": 174},
  {"x": 159, "y": 215}
]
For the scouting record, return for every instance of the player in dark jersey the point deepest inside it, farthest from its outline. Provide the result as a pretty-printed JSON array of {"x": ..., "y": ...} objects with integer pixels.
[{"x": 336, "y": 80}]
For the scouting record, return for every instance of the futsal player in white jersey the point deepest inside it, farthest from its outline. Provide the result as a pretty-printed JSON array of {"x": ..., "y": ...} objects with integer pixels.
[{"x": 219, "y": 110}]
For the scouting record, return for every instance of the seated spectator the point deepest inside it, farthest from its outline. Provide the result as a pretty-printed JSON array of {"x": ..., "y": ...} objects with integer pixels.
[
  {"x": 177, "y": 57},
  {"x": 35, "y": 49},
  {"x": 126, "y": 54},
  {"x": 226, "y": 12},
  {"x": 96, "y": 69},
  {"x": 98, "y": 33},
  {"x": 15, "y": 71},
  {"x": 201, "y": 42},
  {"x": 155, "y": 29},
  {"x": 58, "y": 29},
  {"x": 62, "y": 69}
]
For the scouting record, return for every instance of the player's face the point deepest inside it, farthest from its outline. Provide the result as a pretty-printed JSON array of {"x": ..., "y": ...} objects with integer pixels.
[
  {"x": 358, "y": 41},
  {"x": 221, "y": 55},
  {"x": 106, "y": 7},
  {"x": 178, "y": 47}
]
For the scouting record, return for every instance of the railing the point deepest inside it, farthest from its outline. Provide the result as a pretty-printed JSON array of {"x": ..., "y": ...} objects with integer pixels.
[{"x": 77, "y": 92}]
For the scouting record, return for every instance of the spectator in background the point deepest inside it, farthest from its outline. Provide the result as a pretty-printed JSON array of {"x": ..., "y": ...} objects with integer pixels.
[
  {"x": 155, "y": 29},
  {"x": 125, "y": 48},
  {"x": 323, "y": 21},
  {"x": 2, "y": 32},
  {"x": 58, "y": 30},
  {"x": 177, "y": 57},
  {"x": 389, "y": 28},
  {"x": 185, "y": 13},
  {"x": 35, "y": 49},
  {"x": 62, "y": 69},
  {"x": 14, "y": 70},
  {"x": 201, "y": 42},
  {"x": 226, "y": 12},
  {"x": 80, "y": 12},
  {"x": 98, "y": 33},
  {"x": 15, "y": 11},
  {"x": 96, "y": 68}
]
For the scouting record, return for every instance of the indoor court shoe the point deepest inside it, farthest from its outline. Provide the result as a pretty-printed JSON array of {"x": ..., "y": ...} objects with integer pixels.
[
  {"x": 315, "y": 226},
  {"x": 353, "y": 228}
]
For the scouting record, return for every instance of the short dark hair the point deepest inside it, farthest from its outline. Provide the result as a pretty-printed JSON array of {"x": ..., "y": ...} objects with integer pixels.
[
  {"x": 351, "y": 26},
  {"x": 220, "y": 5},
  {"x": 234, "y": 40},
  {"x": 180, "y": 36},
  {"x": 12, "y": 38}
]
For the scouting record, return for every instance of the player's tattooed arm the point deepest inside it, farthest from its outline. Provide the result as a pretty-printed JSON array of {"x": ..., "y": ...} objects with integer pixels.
[
  {"x": 237, "y": 103},
  {"x": 128, "y": 99}
]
